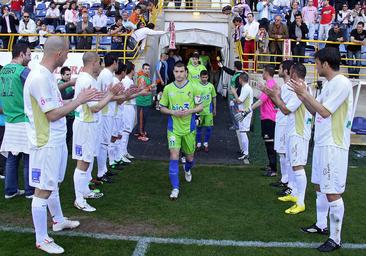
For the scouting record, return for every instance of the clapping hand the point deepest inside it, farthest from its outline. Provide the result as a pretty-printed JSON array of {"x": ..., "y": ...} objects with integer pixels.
[
  {"x": 87, "y": 94},
  {"x": 299, "y": 87}
]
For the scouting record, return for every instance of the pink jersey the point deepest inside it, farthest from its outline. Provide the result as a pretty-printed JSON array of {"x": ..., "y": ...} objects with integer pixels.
[{"x": 267, "y": 108}]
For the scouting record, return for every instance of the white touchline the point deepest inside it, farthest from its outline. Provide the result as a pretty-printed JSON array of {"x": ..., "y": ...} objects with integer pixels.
[
  {"x": 145, "y": 241},
  {"x": 141, "y": 248}
]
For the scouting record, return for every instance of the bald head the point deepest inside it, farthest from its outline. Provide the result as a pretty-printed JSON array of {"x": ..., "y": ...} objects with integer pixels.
[
  {"x": 55, "y": 44},
  {"x": 90, "y": 57}
]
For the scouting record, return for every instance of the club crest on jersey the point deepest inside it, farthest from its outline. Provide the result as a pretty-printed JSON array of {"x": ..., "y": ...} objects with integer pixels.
[{"x": 180, "y": 107}]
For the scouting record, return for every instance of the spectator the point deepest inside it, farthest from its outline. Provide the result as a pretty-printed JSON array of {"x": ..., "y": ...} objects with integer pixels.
[
  {"x": 66, "y": 87},
  {"x": 263, "y": 8},
  {"x": 100, "y": 21},
  {"x": 238, "y": 34},
  {"x": 16, "y": 7},
  {"x": 250, "y": 32},
  {"x": 148, "y": 12},
  {"x": 113, "y": 9},
  {"x": 282, "y": 4},
  {"x": 29, "y": 7},
  {"x": 326, "y": 19},
  {"x": 52, "y": 15},
  {"x": 128, "y": 25},
  {"x": 39, "y": 24},
  {"x": 160, "y": 77},
  {"x": 243, "y": 9},
  {"x": 357, "y": 36},
  {"x": 335, "y": 35},
  {"x": 8, "y": 21},
  {"x": 298, "y": 31},
  {"x": 42, "y": 34},
  {"x": 205, "y": 60},
  {"x": 358, "y": 15},
  {"x": 252, "y": 5},
  {"x": 140, "y": 34},
  {"x": 84, "y": 27},
  {"x": 338, "y": 4},
  {"x": 310, "y": 17},
  {"x": 170, "y": 61},
  {"x": 290, "y": 15},
  {"x": 116, "y": 31},
  {"x": 71, "y": 19},
  {"x": 28, "y": 26},
  {"x": 262, "y": 39},
  {"x": 135, "y": 16},
  {"x": 277, "y": 30},
  {"x": 345, "y": 19}
]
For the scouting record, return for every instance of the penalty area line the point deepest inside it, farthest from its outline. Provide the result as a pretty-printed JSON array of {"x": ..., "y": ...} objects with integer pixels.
[{"x": 143, "y": 242}]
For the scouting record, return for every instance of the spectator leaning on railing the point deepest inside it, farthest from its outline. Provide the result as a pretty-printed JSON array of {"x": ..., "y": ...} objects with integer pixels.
[
  {"x": 298, "y": 31},
  {"x": 335, "y": 35},
  {"x": 310, "y": 17},
  {"x": 28, "y": 26},
  {"x": 114, "y": 31},
  {"x": 250, "y": 32},
  {"x": 277, "y": 31},
  {"x": 358, "y": 36},
  {"x": 84, "y": 27}
]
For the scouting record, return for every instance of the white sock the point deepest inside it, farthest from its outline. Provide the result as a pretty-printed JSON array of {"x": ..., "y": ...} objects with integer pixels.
[
  {"x": 336, "y": 213},
  {"x": 322, "y": 207},
  {"x": 125, "y": 138},
  {"x": 39, "y": 215},
  {"x": 284, "y": 168},
  {"x": 112, "y": 152},
  {"x": 301, "y": 181},
  {"x": 102, "y": 160},
  {"x": 80, "y": 180},
  {"x": 244, "y": 142},
  {"x": 239, "y": 140},
  {"x": 54, "y": 206},
  {"x": 291, "y": 181},
  {"x": 90, "y": 170},
  {"x": 118, "y": 149}
]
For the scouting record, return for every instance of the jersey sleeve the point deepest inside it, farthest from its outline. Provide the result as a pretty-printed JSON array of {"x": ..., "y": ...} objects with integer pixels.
[
  {"x": 42, "y": 92},
  {"x": 213, "y": 91},
  {"x": 336, "y": 96},
  {"x": 294, "y": 103},
  {"x": 164, "y": 101},
  {"x": 24, "y": 75}
]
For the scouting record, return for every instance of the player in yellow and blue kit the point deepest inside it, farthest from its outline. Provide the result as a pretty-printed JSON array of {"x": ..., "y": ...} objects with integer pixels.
[
  {"x": 209, "y": 110},
  {"x": 181, "y": 100}
]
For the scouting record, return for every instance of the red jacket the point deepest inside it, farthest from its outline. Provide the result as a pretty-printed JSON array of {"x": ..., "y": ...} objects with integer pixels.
[{"x": 16, "y": 5}]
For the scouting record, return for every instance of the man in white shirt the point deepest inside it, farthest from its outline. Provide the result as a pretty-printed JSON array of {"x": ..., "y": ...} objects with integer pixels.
[
  {"x": 250, "y": 32},
  {"x": 28, "y": 26},
  {"x": 46, "y": 131},
  {"x": 310, "y": 17},
  {"x": 100, "y": 22},
  {"x": 333, "y": 121},
  {"x": 52, "y": 15},
  {"x": 141, "y": 34}
]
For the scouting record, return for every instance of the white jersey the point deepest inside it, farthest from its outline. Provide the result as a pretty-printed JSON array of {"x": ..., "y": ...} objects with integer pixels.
[
  {"x": 83, "y": 112},
  {"x": 337, "y": 98},
  {"x": 41, "y": 95},
  {"x": 127, "y": 83},
  {"x": 105, "y": 79},
  {"x": 299, "y": 120},
  {"x": 246, "y": 97},
  {"x": 281, "y": 118}
]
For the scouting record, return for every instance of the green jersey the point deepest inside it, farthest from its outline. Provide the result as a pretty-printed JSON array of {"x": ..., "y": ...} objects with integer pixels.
[
  {"x": 12, "y": 79},
  {"x": 194, "y": 72},
  {"x": 204, "y": 59},
  {"x": 144, "y": 101},
  {"x": 233, "y": 84},
  {"x": 67, "y": 94},
  {"x": 181, "y": 98},
  {"x": 208, "y": 92}
]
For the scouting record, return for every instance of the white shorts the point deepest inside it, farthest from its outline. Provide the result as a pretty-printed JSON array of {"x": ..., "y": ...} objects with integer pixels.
[
  {"x": 297, "y": 150},
  {"x": 129, "y": 117},
  {"x": 117, "y": 123},
  {"x": 84, "y": 141},
  {"x": 329, "y": 170},
  {"x": 47, "y": 167},
  {"x": 280, "y": 139},
  {"x": 105, "y": 129},
  {"x": 244, "y": 125}
]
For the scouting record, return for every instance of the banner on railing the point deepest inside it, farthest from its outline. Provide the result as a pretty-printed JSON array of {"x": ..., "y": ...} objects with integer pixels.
[
  {"x": 286, "y": 49},
  {"x": 74, "y": 62},
  {"x": 172, "y": 36}
]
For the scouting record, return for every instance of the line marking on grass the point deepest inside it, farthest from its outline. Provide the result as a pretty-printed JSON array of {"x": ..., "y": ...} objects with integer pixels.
[
  {"x": 141, "y": 248},
  {"x": 143, "y": 242}
]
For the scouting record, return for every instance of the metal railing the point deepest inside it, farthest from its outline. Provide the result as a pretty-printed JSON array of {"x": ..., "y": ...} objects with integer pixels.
[
  {"x": 256, "y": 60},
  {"x": 196, "y": 5},
  {"x": 125, "y": 53}
]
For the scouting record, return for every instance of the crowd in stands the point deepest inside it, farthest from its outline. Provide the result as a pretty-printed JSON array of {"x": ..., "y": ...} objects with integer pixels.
[
  {"x": 107, "y": 17},
  {"x": 334, "y": 21}
]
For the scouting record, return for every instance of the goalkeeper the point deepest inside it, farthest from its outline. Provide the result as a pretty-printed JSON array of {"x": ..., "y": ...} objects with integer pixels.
[{"x": 244, "y": 114}]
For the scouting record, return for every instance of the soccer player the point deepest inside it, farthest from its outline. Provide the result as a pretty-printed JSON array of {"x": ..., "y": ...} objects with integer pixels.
[
  {"x": 47, "y": 135},
  {"x": 333, "y": 113},
  {"x": 280, "y": 141},
  {"x": 244, "y": 101},
  {"x": 85, "y": 130},
  {"x": 298, "y": 130},
  {"x": 194, "y": 69},
  {"x": 105, "y": 79},
  {"x": 208, "y": 112},
  {"x": 268, "y": 120},
  {"x": 15, "y": 141},
  {"x": 181, "y": 100}
]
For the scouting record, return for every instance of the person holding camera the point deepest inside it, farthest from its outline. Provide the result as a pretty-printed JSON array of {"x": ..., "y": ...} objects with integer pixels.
[{"x": 8, "y": 23}]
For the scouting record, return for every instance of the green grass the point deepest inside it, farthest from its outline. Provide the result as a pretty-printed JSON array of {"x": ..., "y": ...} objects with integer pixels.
[{"x": 234, "y": 203}]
